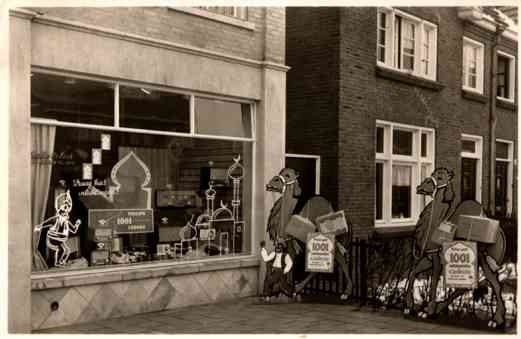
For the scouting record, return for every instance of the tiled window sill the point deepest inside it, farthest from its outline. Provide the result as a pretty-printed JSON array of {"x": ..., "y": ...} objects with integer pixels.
[
  {"x": 42, "y": 281},
  {"x": 409, "y": 79},
  {"x": 216, "y": 17},
  {"x": 469, "y": 95}
]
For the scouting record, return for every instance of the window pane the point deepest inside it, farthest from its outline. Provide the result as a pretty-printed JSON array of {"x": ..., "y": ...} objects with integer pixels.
[
  {"x": 503, "y": 81},
  {"x": 424, "y": 145},
  {"x": 502, "y": 150},
  {"x": 216, "y": 117},
  {"x": 402, "y": 142},
  {"x": 379, "y": 190},
  {"x": 154, "y": 110},
  {"x": 468, "y": 146},
  {"x": 379, "y": 139},
  {"x": 381, "y": 54},
  {"x": 401, "y": 191},
  {"x": 472, "y": 81},
  {"x": 159, "y": 176},
  {"x": 72, "y": 100},
  {"x": 408, "y": 62}
]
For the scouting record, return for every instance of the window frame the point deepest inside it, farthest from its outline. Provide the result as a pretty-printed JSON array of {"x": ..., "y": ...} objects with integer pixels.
[
  {"x": 317, "y": 166},
  {"x": 511, "y": 77},
  {"x": 421, "y": 26},
  {"x": 416, "y": 161},
  {"x": 52, "y": 273},
  {"x": 480, "y": 62},
  {"x": 478, "y": 155},
  {"x": 510, "y": 177}
]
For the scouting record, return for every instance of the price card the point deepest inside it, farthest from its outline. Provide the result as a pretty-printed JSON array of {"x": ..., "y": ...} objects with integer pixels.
[{"x": 320, "y": 252}]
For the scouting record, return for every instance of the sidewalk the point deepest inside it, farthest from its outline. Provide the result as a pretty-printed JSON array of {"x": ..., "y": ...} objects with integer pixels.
[{"x": 247, "y": 316}]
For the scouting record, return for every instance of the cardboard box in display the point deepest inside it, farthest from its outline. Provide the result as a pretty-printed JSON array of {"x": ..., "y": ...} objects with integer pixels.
[
  {"x": 299, "y": 227},
  {"x": 334, "y": 222},
  {"x": 477, "y": 228},
  {"x": 444, "y": 232}
]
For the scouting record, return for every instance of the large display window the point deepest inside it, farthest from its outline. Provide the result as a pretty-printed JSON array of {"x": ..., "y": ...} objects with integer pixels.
[{"x": 123, "y": 174}]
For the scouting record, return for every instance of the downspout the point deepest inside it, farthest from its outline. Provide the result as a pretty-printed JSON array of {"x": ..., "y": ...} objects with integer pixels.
[{"x": 500, "y": 28}]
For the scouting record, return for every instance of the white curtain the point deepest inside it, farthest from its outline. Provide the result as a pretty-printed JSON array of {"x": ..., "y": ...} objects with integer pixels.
[
  {"x": 401, "y": 175},
  {"x": 42, "y": 148}
]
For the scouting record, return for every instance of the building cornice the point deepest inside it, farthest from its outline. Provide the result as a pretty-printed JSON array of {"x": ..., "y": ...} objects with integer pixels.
[
  {"x": 139, "y": 39},
  {"x": 22, "y": 13},
  {"x": 482, "y": 20}
]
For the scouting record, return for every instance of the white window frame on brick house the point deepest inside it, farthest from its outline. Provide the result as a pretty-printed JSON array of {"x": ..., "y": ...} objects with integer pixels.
[
  {"x": 470, "y": 45},
  {"x": 510, "y": 178},
  {"x": 239, "y": 12},
  {"x": 478, "y": 155},
  {"x": 423, "y": 38},
  {"x": 316, "y": 158},
  {"x": 421, "y": 166},
  {"x": 511, "y": 77}
]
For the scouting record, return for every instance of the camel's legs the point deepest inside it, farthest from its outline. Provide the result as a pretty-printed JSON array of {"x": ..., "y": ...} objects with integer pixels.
[
  {"x": 342, "y": 264},
  {"x": 436, "y": 273},
  {"x": 422, "y": 265},
  {"x": 300, "y": 286},
  {"x": 499, "y": 316}
]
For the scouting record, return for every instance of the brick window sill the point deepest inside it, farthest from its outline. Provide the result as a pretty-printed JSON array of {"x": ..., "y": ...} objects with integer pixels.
[
  {"x": 474, "y": 96},
  {"x": 215, "y": 17},
  {"x": 46, "y": 280},
  {"x": 409, "y": 79},
  {"x": 394, "y": 231},
  {"x": 511, "y": 106}
]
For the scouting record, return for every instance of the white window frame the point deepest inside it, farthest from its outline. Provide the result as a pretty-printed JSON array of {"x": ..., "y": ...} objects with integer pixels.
[
  {"x": 420, "y": 28},
  {"x": 511, "y": 77},
  {"x": 510, "y": 170},
  {"x": 480, "y": 52},
  {"x": 116, "y": 128},
  {"x": 478, "y": 155},
  {"x": 415, "y": 161},
  {"x": 317, "y": 166}
]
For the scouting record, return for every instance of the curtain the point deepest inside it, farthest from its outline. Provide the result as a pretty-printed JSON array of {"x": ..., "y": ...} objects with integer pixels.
[
  {"x": 158, "y": 162},
  {"x": 42, "y": 148},
  {"x": 401, "y": 175}
]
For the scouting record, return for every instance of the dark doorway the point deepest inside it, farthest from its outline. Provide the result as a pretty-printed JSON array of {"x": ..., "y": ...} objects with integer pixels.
[
  {"x": 468, "y": 178},
  {"x": 307, "y": 169},
  {"x": 501, "y": 188}
]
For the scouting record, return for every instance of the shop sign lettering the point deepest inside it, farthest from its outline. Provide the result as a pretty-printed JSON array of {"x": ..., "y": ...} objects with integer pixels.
[
  {"x": 320, "y": 252},
  {"x": 460, "y": 264},
  {"x": 122, "y": 221}
]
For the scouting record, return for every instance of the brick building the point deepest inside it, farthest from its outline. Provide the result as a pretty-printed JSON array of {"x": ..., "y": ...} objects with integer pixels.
[
  {"x": 139, "y": 108},
  {"x": 385, "y": 95}
]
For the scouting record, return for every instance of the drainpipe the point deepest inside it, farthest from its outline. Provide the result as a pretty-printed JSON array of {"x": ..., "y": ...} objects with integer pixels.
[{"x": 500, "y": 28}]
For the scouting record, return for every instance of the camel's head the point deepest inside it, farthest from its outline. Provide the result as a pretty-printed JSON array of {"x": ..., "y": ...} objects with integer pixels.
[
  {"x": 441, "y": 177},
  {"x": 286, "y": 178}
]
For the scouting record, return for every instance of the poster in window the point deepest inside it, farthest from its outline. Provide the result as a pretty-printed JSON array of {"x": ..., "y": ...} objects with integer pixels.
[
  {"x": 96, "y": 156},
  {"x": 87, "y": 171},
  {"x": 105, "y": 142}
]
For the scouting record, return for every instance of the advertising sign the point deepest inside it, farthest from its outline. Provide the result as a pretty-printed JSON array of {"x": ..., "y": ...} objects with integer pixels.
[
  {"x": 334, "y": 222},
  {"x": 122, "y": 221},
  {"x": 320, "y": 252},
  {"x": 460, "y": 264}
]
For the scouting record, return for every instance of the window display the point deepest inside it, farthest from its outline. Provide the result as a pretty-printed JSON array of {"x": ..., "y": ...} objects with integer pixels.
[{"x": 136, "y": 196}]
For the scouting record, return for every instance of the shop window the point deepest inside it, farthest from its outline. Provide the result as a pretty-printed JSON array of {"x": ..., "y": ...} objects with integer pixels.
[
  {"x": 150, "y": 109},
  {"x": 406, "y": 43},
  {"x": 399, "y": 169},
  {"x": 218, "y": 117},
  {"x": 142, "y": 199},
  {"x": 72, "y": 99},
  {"x": 472, "y": 65},
  {"x": 505, "y": 76},
  {"x": 118, "y": 184}
]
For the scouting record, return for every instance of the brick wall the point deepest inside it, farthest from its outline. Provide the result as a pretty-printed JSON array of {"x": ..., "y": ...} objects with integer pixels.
[
  {"x": 312, "y": 89},
  {"x": 365, "y": 97},
  {"x": 183, "y": 28}
]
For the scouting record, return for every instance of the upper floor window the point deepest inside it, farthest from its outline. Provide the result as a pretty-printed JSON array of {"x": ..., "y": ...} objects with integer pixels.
[
  {"x": 472, "y": 65},
  {"x": 236, "y": 12},
  {"x": 505, "y": 80},
  {"x": 406, "y": 43}
]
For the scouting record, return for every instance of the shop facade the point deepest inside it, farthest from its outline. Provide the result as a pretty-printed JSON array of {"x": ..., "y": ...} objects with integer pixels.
[{"x": 141, "y": 140}]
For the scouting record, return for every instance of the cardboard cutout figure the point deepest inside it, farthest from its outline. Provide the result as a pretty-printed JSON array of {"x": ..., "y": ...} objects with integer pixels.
[
  {"x": 427, "y": 253},
  {"x": 280, "y": 264},
  {"x": 59, "y": 228}
]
